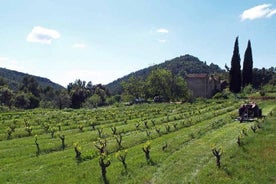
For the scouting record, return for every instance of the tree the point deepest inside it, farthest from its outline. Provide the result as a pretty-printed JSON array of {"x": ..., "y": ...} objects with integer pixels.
[
  {"x": 78, "y": 92},
  {"x": 63, "y": 99},
  {"x": 6, "y": 96},
  {"x": 159, "y": 83},
  {"x": 247, "y": 66},
  {"x": 21, "y": 100},
  {"x": 235, "y": 71},
  {"x": 102, "y": 92},
  {"x": 180, "y": 89},
  {"x": 93, "y": 101},
  {"x": 29, "y": 84},
  {"x": 3, "y": 82},
  {"x": 163, "y": 83},
  {"x": 134, "y": 87},
  {"x": 262, "y": 76}
]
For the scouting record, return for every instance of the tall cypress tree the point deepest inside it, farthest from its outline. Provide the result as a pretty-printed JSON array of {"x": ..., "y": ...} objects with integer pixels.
[
  {"x": 235, "y": 71},
  {"x": 247, "y": 66}
]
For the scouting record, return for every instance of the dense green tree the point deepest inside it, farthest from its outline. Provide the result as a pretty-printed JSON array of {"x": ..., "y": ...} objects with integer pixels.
[
  {"x": 78, "y": 93},
  {"x": 247, "y": 66},
  {"x": 48, "y": 93},
  {"x": 78, "y": 96},
  {"x": 63, "y": 99},
  {"x": 273, "y": 80},
  {"x": 163, "y": 83},
  {"x": 102, "y": 92},
  {"x": 180, "y": 89},
  {"x": 29, "y": 84},
  {"x": 93, "y": 101},
  {"x": 134, "y": 87},
  {"x": 262, "y": 76},
  {"x": 159, "y": 83},
  {"x": 3, "y": 82},
  {"x": 34, "y": 101},
  {"x": 21, "y": 100},
  {"x": 6, "y": 96},
  {"x": 235, "y": 70}
]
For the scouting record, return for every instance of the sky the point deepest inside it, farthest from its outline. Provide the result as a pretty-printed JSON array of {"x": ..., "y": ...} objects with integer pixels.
[{"x": 103, "y": 40}]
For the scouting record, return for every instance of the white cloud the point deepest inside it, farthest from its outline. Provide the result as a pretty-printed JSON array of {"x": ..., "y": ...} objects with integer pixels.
[
  {"x": 11, "y": 64},
  {"x": 3, "y": 59},
  {"x": 271, "y": 13},
  {"x": 162, "y": 40},
  {"x": 42, "y": 35},
  {"x": 260, "y": 11},
  {"x": 79, "y": 45},
  {"x": 103, "y": 77},
  {"x": 162, "y": 30}
]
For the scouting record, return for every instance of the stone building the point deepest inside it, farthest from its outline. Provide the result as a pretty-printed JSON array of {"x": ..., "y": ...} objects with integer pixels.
[{"x": 203, "y": 85}]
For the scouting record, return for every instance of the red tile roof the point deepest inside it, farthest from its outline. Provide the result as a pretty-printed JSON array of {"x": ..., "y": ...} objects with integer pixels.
[{"x": 197, "y": 75}]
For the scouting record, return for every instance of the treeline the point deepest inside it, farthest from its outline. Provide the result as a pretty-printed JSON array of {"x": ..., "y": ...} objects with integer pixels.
[
  {"x": 160, "y": 85},
  {"x": 240, "y": 78},
  {"x": 31, "y": 95},
  {"x": 179, "y": 66},
  {"x": 14, "y": 78}
]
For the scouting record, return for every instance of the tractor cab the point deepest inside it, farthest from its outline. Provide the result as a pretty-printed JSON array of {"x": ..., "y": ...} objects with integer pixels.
[{"x": 249, "y": 111}]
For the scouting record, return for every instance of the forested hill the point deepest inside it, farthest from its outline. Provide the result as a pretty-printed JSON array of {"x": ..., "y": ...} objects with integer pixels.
[
  {"x": 14, "y": 78},
  {"x": 178, "y": 66}
]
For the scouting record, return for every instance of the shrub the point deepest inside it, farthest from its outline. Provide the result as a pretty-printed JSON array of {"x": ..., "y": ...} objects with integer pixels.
[
  {"x": 77, "y": 149},
  {"x": 121, "y": 156},
  {"x": 146, "y": 149},
  {"x": 62, "y": 138},
  {"x": 119, "y": 140},
  {"x": 101, "y": 145},
  {"x": 217, "y": 152},
  {"x": 104, "y": 162},
  {"x": 37, "y": 146}
]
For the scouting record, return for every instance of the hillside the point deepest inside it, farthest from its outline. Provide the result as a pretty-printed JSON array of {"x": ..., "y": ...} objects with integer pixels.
[
  {"x": 178, "y": 66},
  {"x": 14, "y": 78}
]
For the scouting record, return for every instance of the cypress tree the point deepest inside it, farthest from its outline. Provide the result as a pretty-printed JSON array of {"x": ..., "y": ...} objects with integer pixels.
[
  {"x": 235, "y": 71},
  {"x": 247, "y": 66}
]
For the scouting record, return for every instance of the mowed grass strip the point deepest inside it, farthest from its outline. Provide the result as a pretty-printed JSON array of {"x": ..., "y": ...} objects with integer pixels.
[
  {"x": 181, "y": 162},
  {"x": 253, "y": 162}
]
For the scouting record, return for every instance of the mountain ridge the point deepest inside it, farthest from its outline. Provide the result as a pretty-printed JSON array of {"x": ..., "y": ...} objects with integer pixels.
[
  {"x": 181, "y": 65},
  {"x": 14, "y": 78}
]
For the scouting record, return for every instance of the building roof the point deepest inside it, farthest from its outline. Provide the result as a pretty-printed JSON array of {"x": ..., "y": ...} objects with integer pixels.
[{"x": 197, "y": 75}]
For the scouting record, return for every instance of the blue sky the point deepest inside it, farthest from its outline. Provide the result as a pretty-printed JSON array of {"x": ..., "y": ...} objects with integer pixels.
[{"x": 100, "y": 41}]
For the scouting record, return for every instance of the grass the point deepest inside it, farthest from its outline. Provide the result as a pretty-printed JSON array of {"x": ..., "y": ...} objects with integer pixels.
[
  {"x": 254, "y": 162},
  {"x": 187, "y": 158}
]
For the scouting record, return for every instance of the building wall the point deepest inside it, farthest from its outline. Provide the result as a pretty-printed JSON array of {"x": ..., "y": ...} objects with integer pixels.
[
  {"x": 203, "y": 86},
  {"x": 198, "y": 86}
]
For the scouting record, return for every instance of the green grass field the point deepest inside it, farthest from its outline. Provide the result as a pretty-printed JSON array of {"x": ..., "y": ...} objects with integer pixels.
[{"x": 180, "y": 138}]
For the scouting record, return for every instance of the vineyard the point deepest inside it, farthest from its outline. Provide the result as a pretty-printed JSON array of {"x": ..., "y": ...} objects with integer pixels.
[{"x": 147, "y": 143}]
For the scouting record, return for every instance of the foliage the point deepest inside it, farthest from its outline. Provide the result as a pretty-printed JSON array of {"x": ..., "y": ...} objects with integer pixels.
[
  {"x": 104, "y": 162},
  {"x": 160, "y": 82},
  {"x": 121, "y": 156},
  {"x": 6, "y": 96},
  {"x": 178, "y": 66},
  {"x": 210, "y": 121},
  {"x": 37, "y": 146},
  {"x": 263, "y": 76},
  {"x": 235, "y": 70},
  {"x": 247, "y": 66},
  {"x": 146, "y": 149},
  {"x": 62, "y": 138},
  {"x": 77, "y": 149},
  {"x": 13, "y": 78}
]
